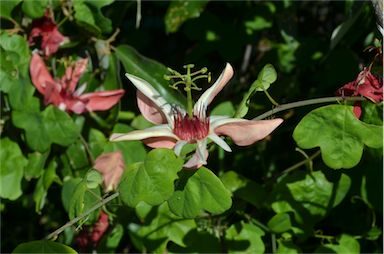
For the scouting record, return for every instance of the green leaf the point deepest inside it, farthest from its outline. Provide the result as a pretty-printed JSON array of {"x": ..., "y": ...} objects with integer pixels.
[
  {"x": 109, "y": 243},
  {"x": 179, "y": 11},
  {"x": 43, "y": 246},
  {"x": 346, "y": 244},
  {"x": 309, "y": 196},
  {"x": 258, "y": 23},
  {"x": 152, "y": 180},
  {"x": 34, "y": 8},
  {"x": 280, "y": 223},
  {"x": 12, "y": 164},
  {"x": 159, "y": 230},
  {"x": 198, "y": 191},
  {"x": 96, "y": 142},
  {"x": 88, "y": 15},
  {"x": 61, "y": 128},
  {"x": 224, "y": 109},
  {"x": 43, "y": 184},
  {"x": 77, "y": 156},
  {"x": 7, "y": 7},
  {"x": 93, "y": 179},
  {"x": 287, "y": 247},
  {"x": 82, "y": 200},
  {"x": 244, "y": 238},
  {"x": 150, "y": 70},
  {"x": 35, "y": 131},
  {"x": 15, "y": 57},
  {"x": 67, "y": 191},
  {"x": 244, "y": 188},
  {"x": 35, "y": 167},
  {"x": 266, "y": 77},
  {"x": 338, "y": 133}
]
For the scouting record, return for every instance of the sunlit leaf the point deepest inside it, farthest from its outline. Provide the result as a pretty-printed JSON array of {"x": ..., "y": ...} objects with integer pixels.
[
  {"x": 179, "y": 11},
  {"x": 339, "y": 134},
  {"x": 346, "y": 244},
  {"x": 287, "y": 247},
  {"x": 152, "y": 180},
  {"x": 244, "y": 238},
  {"x": 199, "y": 191},
  {"x": 35, "y": 167},
  {"x": 12, "y": 164},
  {"x": 43, "y": 246},
  {"x": 280, "y": 223},
  {"x": 7, "y": 7}
]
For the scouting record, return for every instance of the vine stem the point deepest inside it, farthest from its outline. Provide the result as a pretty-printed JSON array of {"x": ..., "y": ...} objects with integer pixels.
[
  {"x": 297, "y": 104},
  {"x": 81, "y": 216}
]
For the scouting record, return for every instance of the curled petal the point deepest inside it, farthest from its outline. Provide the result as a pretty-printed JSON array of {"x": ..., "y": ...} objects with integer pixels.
[
  {"x": 246, "y": 132},
  {"x": 149, "y": 110},
  {"x": 153, "y": 95},
  {"x": 152, "y": 132},
  {"x": 206, "y": 98},
  {"x": 73, "y": 74},
  {"x": 40, "y": 76},
  {"x": 200, "y": 157},
  {"x": 220, "y": 142},
  {"x": 99, "y": 101}
]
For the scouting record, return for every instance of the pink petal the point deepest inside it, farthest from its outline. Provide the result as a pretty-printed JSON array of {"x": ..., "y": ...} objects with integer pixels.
[
  {"x": 206, "y": 98},
  {"x": 247, "y": 132},
  {"x": 75, "y": 106},
  {"x": 160, "y": 131},
  {"x": 73, "y": 74},
  {"x": 160, "y": 142},
  {"x": 111, "y": 166},
  {"x": 99, "y": 101},
  {"x": 40, "y": 76},
  {"x": 149, "y": 109},
  {"x": 196, "y": 161}
]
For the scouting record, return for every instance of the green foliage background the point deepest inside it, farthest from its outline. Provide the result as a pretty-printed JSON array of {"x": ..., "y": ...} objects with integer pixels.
[{"x": 256, "y": 199}]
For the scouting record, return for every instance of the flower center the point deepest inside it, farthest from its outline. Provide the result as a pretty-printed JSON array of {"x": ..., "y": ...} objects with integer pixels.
[{"x": 190, "y": 128}]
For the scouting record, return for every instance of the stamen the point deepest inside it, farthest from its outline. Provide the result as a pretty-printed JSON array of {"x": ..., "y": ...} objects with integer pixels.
[{"x": 191, "y": 128}]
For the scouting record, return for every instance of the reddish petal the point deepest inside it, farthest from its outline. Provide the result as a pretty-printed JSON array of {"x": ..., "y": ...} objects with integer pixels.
[
  {"x": 40, "y": 76},
  {"x": 149, "y": 110},
  {"x": 99, "y": 228},
  {"x": 99, "y": 101},
  {"x": 357, "y": 109},
  {"x": 51, "y": 41},
  {"x": 247, "y": 132}
]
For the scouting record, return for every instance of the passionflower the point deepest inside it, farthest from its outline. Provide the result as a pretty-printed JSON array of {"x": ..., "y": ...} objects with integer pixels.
[
  {"x": 177, "y": 126},
  {"x": 63, "y": 93}
]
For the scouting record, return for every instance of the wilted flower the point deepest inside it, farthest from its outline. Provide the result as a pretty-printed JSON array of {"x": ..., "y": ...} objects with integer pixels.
[
  {"x": 111, "y": 166},
  {"x": 178, "y": 127},
  {"x": 365, "y": 84},
  {"x": 62, "y": 93},
  {"x": 47, "y": 30}
]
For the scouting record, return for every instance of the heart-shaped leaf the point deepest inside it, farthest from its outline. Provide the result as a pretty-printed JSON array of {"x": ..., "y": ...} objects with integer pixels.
[
  {"x": 151, "y": 181},
  {"x": 266, "y": 77},
  {"x": 338, "y": 133},
  {"x": 43, "y": 246},
  {"x": 198, "y": 191},
  {"x": 12, "y": 164},
  {"x": 244, "y": 238}
]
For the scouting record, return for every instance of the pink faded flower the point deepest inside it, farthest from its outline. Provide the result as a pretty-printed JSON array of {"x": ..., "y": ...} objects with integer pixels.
[
  {"x": 62, "y": 93},
  {"x": 176, "y": 128},
  {"x": 46, "y": 29},
  {"x": 111, "y": 166}
]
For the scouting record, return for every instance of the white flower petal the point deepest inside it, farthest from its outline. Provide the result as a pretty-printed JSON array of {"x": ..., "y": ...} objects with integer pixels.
[
  {"x": 220, "y": 142},
  {"x": 153, "y": 95},
  {"x": 216, "y": 121},
  {"x": 156, "y": 131},
  {"x": 206, "y": 98},
  {"x": 199, "y": 158},
  {"x": 179, "y": 146}
]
